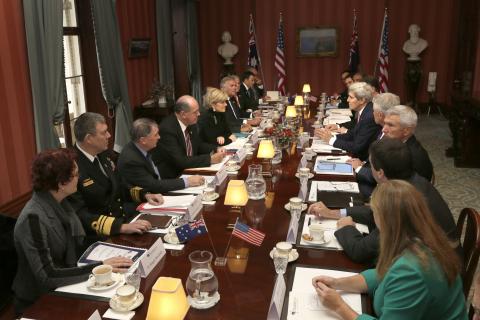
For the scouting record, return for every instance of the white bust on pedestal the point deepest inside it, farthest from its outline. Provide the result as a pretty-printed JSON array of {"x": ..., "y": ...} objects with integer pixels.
[
  {"x": 227, "y": 50},
  {"x": 415, "y": 45}
]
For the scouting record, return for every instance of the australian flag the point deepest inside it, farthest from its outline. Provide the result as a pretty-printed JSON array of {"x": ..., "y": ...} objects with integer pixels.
[
  {"x": 354, "y": 59},
  {"x": 191, "y": 230},
  {"x": 253, "y": 59}
]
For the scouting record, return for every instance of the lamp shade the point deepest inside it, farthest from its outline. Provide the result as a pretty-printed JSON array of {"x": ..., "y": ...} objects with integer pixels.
[
  {"x": 168, "y": 300},
  {"x": 298, "y": 100},
  {"x": 306, "y": 88},
  {"x": 266, "y": 149},
  {"x": 291, "y": 112},
  {"x": 236, "y": 194}
]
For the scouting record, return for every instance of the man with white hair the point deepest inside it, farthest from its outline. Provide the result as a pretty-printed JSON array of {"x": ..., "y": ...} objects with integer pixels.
[{"x": 358, "y": 139}]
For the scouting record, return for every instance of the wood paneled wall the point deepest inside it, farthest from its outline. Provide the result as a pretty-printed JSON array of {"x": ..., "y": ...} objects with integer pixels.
[
  {"x": 137, "y": 20},
  {"x": 17, "y": 136},
  {"x": 436, "y": 19}
]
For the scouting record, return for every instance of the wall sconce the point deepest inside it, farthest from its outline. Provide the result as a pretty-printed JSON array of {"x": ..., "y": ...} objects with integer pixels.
[{"x": 168, "y": 300}]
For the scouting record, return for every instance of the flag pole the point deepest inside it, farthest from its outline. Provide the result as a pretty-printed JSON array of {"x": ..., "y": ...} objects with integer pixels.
[
  {"x": 258, "y": 53},
  {"x": 222, "y": 261}
]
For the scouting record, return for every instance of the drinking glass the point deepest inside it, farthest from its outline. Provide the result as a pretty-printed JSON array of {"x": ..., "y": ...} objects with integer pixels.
[{"x": 280, "y": 261}]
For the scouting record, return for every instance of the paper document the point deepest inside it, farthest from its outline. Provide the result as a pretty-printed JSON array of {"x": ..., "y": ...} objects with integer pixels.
[
  {"x": 100, "y": 251},
  {"x": 336, "y": 119},
  {"x": 330, "y": 226},
  {"x": 334, "y": 168},
  {"x": 334, "y": 158},
  {"x": 237, "y": 144},
  {"x": 171, "y": 203},
  {"x": 212, "y": 168},
  {"x": 343, "y": 186},
  {"x": 274, "y": 96},
  {"x": 322, "y": 147},
  {"x": 195, "y": 190},
  {"x": 304, "y": 304},
  {"x": 342, "y": 112}
]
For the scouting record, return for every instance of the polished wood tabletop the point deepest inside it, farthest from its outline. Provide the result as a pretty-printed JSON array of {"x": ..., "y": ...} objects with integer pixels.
[{"x": 246, "y": 282}]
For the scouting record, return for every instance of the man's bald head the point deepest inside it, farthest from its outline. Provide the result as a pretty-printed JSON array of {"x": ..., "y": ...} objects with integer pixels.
[{"x": 187, "y": 110}]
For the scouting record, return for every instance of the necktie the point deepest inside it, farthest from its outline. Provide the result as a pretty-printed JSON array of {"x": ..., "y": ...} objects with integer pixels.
[
  {"x": 188, "y": 143},
  {"x": 238, "y": 103},
  {"x": 230, "y": 103},
  {"x": 149, "y": 158},
  {"x": 96, "y": 163}
]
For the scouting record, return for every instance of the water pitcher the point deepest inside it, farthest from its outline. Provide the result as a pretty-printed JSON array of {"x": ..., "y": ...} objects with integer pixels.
[
  {"x": 202, "y": 284},
  {"x": 256, "y": 186}
]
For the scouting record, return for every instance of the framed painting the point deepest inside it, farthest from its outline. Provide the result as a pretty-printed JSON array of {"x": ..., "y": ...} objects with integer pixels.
[{"x": 317, "y": 42}]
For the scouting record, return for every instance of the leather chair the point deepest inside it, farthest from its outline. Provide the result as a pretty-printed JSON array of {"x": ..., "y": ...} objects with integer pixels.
[
  {"x": 469, "y": 220},
  {"x": 8, "y": 267}
]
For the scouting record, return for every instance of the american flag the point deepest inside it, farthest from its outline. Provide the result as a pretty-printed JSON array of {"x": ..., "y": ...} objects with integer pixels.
[
  {"x": 383, "y": 56},
  {"x": 248, "y": 234},
  {"x": 354, "y": 59},
  {"x": 280, "y": 58},
  {"x": 253, "y": 59}
]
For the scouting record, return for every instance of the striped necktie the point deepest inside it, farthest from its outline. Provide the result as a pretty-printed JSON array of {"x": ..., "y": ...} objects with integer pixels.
[{"x": 188, "y": 143}]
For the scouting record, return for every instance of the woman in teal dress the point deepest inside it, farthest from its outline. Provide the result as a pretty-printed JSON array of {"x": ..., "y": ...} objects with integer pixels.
[{"x": 418, "y": 273}]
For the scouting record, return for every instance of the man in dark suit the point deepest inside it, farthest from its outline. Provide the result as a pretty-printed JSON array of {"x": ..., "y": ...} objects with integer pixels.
[
  {"x": 136, "y": 166},
  {"x": 180, "y": 146},
  {"x": 390, "y": 159},
  {"x": 238, "y": 120},
  {"x": 399, "y": 122},
  {"x": 365, "y": 131},
  {"x": 246, "y": 94},
  {"x": 99, "y": 201},
  {"x": 258, "y": 84}
]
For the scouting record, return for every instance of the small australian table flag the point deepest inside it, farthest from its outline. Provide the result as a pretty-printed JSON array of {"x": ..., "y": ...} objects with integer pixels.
[{"x": 191, "y": 230}]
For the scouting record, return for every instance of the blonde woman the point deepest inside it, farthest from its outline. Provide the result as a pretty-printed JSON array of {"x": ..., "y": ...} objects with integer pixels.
[
  {"x": 213, "y": 126},
  {"x": 417, "y": 274}
]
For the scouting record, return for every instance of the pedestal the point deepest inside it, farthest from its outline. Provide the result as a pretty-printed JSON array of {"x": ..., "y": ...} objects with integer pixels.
[{"x": 413, "y": 75}]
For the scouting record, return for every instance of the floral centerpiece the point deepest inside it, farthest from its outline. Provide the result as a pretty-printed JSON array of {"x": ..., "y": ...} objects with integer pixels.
[{"x": 283, "y": 134}]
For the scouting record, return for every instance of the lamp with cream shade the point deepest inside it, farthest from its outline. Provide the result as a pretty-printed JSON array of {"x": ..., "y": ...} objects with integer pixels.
[
  {"x": 168, "y": 300},
  {"x": 236, "y": 194},
  {"x": 266, "y": 151},
  {"x": 306, "y": 93},
  {"x": 306, "y": 88},
  {"x": 299, "y": 101},
  {"x": 291, "y": 112}
]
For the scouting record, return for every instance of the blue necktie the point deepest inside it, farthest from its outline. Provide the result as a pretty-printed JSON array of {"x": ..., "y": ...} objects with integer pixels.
[{"x": 149, "y": 158}]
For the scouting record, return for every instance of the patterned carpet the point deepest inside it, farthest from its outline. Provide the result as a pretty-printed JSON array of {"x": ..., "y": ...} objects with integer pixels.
[{"x": 458, "y": 186}]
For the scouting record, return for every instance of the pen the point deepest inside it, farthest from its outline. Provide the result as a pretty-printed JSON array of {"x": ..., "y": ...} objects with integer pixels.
[
  {"x": 309, "y": 220},
  {"x": 333, "y": 158}
]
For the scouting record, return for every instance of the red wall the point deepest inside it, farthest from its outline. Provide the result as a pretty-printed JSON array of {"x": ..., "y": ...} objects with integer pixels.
[
  {"x": 137, "y": 20},
  {"x": 17, "y": 137},
  {"x": 436, "y": 19}
]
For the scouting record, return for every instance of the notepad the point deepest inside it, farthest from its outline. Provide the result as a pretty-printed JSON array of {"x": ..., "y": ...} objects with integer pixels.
[{"x": 327, "y": 167}]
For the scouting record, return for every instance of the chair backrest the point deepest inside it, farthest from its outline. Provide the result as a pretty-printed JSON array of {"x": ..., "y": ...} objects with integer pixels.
[{"x": 470, "y": 245}]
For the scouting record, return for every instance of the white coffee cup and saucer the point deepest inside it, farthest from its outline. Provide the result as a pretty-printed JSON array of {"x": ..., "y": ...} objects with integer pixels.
[
  {"x": 316, "y": 234},
  {"x": 304, "y": 173},
  {"x": 102, "y": 278},
  {"x": 232, "y": 166},
  {"x": 296, "y": 202},
  {"x": 126, "y": 298},
  {"x": 209, "y": 194},
  {"x": 285, "y": 248}
]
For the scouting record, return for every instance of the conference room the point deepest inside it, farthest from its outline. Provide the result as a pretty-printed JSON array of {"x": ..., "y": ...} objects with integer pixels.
[{"x": 200, "y": 159}]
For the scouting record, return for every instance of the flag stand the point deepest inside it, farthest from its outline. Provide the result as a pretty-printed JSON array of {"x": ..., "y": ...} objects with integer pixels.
[{"x": 222, "y": 261}]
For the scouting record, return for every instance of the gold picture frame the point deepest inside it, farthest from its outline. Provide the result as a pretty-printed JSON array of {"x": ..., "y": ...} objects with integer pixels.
[{"x": 317, "y": 41}]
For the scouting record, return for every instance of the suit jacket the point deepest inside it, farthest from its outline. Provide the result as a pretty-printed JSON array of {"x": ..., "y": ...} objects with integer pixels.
[
  {"x": 358, "y": 139},
  {"x": 99, "y": 201},
  {"x": 409, "y": 291},
  {"x": 247, "y": 98},
  {"x": 135, "y": 169},
  {"x": 421, "y": 164},
  {"x": 343, "y": 99},
  {"x": 47, "y": 237},
  {"x": 234, "y": 115},
  {"x": 170, "y": 155},
  {"x": 366, "y": 248},
  {"x": 212, "y": 125}
]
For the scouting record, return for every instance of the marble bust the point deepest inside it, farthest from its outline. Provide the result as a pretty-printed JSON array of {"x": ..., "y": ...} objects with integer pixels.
[
  {"x": 415, "y": 45},
  {"x": 227, "y": 50}
]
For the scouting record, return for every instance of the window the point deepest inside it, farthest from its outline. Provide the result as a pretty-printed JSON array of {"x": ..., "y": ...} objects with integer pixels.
[{"x": 74, "y": 78}]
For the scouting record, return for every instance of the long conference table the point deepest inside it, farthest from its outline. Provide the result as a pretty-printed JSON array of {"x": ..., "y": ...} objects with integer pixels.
[{"x": 247, "y": 281}]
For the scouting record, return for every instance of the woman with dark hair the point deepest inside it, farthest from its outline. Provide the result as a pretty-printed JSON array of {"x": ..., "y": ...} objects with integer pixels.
[
  {"x": 418, "y": 273},
  {"x": 48, "y": 232}
]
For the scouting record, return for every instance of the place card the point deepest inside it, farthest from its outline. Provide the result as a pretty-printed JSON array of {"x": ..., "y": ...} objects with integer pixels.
[
  {"x": 95, "y": 316},
  {"x": 111, "y": 314},
  {"x": 254, "y": 138},
  {"x": 276, "y": 304},
  {"x": 221, "y": 175},
  {"x": 241, "y": 154},
  {"x": 150, "y": 258},
  {"x": 194, "y": 208},
  {"x": 302, "y": 194},
  {"x": 303, "y": 161},
  {"x": 292, "y": 230},
  {"x": 312, "y": 197}
]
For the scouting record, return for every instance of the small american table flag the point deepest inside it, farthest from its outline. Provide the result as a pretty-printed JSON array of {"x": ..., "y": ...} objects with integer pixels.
[{"x": 248, "y": 234}]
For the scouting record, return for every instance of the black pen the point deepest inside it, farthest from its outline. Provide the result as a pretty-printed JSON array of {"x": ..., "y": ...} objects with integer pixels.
[
  {"x": 333, "y": 158},
  {"x": 309, "y": 220}
]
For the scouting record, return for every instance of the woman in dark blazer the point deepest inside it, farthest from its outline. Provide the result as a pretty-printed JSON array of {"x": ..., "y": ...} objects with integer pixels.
[
  {"x": 418, "y": 273},
  {"x": 213, "y": 126},
  {"x": 48, "y": 232}
]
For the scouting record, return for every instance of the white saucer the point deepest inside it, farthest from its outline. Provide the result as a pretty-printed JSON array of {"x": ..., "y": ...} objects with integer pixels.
[
  {"x": 310, "y": 175},
  {"x": 117, "y": 306},
  {"x": 171, "y": 238},
  {"x": 304, "y": 206},
  {"x": 291, "y": 257},
  {"x": 232, "y": 169},
  {"x": 315, "y": 242},
  {"x": 215, "y": 197},
  {"x": 116, "y": 279},
  {"x": 214, "y": 299}
]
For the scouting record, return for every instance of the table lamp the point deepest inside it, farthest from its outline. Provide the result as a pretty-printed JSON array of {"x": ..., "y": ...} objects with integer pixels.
[
  {"x": 291, "y": 112},
  {"x": 306, "y": 88},
  {"x": 299, "y": 101},
  {"x": 236, "y": 194},
  {"x": 306, "y": 93},
  {"x": 168, "y": 300},
  {"x": 266, "y": 151}
]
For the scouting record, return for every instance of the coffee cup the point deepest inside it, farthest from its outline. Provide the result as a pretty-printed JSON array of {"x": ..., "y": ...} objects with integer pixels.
[
  {"x": 317, "y": 231},
  {"x": 126, "y": 294},
  {"x": 296, "y": 203},
  {"x": 248, "y": 147},
  {"x": 102, "y": 274},
  {"x": 283, "y": 247},
  {"x": 303, "y": 172},
  {"x": 208, "y": 193},
  {"x": 231, "y": 165}
]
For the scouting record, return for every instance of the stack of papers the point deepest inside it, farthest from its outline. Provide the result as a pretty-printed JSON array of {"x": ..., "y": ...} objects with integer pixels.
[
  {"x": 341, "y": 112},
  {"x": 322, "y": 147},
  {"x": 303, "y": 302},
  {"x": 336, "y": 119},
  {"x": 195, "y": 190},
  {"x": 237, "y": 144},
  {"x": 330, "y": 226},
  {"x": 177, "y": 204},
  {"x": 274, "y": 96},
  {"x": 212, "y": 168},
  {"x": 334, "y": 158},
  {"x": 333, "y": 168}
]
